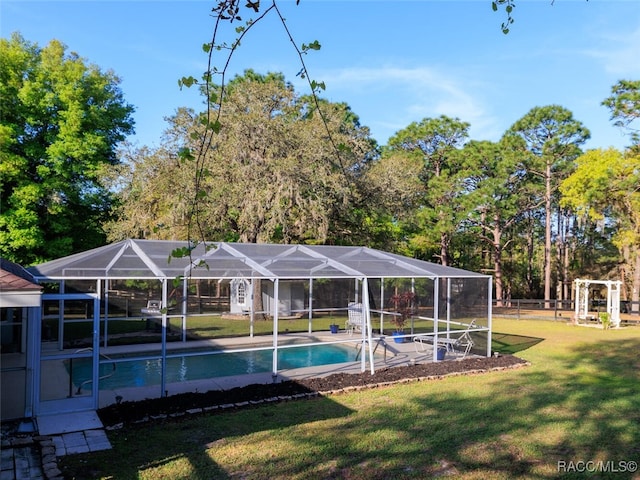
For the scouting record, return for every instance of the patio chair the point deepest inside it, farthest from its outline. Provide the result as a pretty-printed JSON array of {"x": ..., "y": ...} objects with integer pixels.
[
  {"x": 460, "y": 340},
  {"x": 152, "y": 312},
  {"x": 154, "y": 307},
  {"x": 355, "y": 320}
]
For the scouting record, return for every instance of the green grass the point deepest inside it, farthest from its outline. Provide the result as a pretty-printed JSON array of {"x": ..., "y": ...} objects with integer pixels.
[
  {"x": 135, "y": 330},
  {"x": 579, "y": 401}
]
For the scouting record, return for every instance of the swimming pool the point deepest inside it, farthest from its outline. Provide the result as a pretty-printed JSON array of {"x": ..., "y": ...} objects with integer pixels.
[{"x": 142, "y": 373}]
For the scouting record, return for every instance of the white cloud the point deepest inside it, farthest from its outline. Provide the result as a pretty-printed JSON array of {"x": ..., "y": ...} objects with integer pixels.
[
  {"x": 409, "y": 94},
  {"x": 621, "y": 55}
]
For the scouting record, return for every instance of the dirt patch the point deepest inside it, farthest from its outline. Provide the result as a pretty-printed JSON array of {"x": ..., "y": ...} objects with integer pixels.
[{"x": 131, "y": 412}]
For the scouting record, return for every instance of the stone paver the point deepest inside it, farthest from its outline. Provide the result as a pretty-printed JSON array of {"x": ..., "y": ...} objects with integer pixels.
[
  {"x": 21, "y": 463},
  {"x": 75, "y": 439},
  {"x": 58, "y": 443},
  {"x": 97, "y": 440},
  {"x": 35, "y": 458}
]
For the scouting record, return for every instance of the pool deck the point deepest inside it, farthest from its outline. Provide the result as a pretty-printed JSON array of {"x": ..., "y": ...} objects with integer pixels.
[{"x": 387, "y": 354}]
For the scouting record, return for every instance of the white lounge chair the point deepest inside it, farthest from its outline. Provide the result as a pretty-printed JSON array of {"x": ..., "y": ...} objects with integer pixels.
[
  {"x": 152, "y": 312},
  {"x": 355, "y": 319},
  {"x": 460, "y": 340},
  {"x": 154, "y": 307}
]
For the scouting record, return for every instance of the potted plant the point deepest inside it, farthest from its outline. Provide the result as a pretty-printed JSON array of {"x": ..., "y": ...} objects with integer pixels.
[
  {"x": 605, "y": 320},
  {"x": 403, "y": 305}
]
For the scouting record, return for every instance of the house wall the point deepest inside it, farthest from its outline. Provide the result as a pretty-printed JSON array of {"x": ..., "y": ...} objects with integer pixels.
[
  {"x": 290, "y": 297},
  {"x": 13, "y": 362},
  {"x": 12, "y": 395},
  {"x": 284, "y": 297}
]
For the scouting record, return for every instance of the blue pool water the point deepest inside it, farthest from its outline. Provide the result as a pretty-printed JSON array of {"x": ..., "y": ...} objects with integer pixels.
[{"x": 141, "y": 373}]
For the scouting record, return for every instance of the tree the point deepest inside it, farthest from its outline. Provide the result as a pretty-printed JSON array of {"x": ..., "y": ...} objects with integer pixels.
[
  {"x": 233, "y": 12},
  {"x": 269, "y": 175},
  {"x": 434, "y": 141},
  {"x": 604, "y": 188},
  {"x": 394, "y": 192},
  {"x": 497, "y": 197},
  {"x": 624, "y": 105},
  {"x": 154, "y": 192},
  {"x": 553, "y": 138},
  {"x": 60, "y": 121}
]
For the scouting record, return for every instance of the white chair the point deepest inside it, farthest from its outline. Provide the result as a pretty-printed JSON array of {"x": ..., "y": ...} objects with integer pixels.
[
  {"x": 460, "y": 340},
  {"x": 152, "y": 312},
  {"x": 154, "y": 307},
  {"x": 355, "y": 319}
]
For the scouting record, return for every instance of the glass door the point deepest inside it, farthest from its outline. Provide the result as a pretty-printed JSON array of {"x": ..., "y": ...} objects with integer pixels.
[{"x": 67, "y": 377}]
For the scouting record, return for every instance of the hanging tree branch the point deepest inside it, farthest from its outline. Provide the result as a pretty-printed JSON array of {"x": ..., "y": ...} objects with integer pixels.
[
  {"x": 315, "y": 87},
  {"x": 226, "y": 10},
  {"x": 229, "y": 11},
  {"x": 508, "y": 5}
]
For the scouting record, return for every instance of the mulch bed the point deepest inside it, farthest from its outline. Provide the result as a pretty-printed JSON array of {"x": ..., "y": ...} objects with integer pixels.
[{"x": 178, "y": 405}]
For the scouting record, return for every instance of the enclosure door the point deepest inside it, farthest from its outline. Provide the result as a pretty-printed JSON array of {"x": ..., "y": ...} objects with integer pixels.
[{"x": 67, "y": 377}]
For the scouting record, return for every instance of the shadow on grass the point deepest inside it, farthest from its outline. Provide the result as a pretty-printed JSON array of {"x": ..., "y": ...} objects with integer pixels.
[
  {"x": 183, "y": 441},
  {"x": 511, "y": 344},
  {"x": 503, "y": 343},
  {"x": 584, "y": 405},
  {"x": 523, "y": 426}
]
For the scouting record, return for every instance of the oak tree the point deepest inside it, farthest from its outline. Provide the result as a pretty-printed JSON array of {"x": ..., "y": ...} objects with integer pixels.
[
  {"x": 61, "y": 119},
  {"x": 269, "y": 175}
]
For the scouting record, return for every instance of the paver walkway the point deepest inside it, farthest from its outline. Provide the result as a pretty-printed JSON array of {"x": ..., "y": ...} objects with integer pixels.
[{"x": 34, "y": 457}]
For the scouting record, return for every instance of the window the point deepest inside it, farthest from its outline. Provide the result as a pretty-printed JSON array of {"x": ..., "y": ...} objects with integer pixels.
[
  {"x": 242, "y": 293},
  {"x": 11, "y": 329}
]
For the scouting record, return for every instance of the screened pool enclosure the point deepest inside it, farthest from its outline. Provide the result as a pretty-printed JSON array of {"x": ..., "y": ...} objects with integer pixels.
[{"x": 137, "y": 301}]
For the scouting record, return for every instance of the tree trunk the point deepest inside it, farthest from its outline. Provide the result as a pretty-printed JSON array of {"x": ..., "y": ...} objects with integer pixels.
[
  {"x": 530, "y": 251},
  {"x": 635, "y": 290},
  {"x": 258, "y": 306},
  {"x": 559, "y": 256},
  {"x": 568, "y": 246},
  {"x": 497, "y": 263},
  {"x": 547, "y": 237},
  {"x": 444, "y": 254}
]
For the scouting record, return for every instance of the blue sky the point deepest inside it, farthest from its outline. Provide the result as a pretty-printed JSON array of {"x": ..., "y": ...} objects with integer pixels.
[{"x": 393, "y": 62}]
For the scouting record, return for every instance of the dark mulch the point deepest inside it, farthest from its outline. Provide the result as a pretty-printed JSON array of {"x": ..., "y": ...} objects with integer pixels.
[{"x": 129, "y": 412}]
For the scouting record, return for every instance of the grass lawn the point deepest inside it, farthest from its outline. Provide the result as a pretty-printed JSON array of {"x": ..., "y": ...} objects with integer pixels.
[
  {"x": 578, "y": 402},
  {"x": 137, "y": 330}
]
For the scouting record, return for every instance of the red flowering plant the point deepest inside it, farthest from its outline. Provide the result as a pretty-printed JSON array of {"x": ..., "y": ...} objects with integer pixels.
[{"x": 403, "y": 306}]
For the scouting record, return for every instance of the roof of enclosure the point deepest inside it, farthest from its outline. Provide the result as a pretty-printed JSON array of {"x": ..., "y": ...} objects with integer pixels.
[{"x": 147, "y": 259}]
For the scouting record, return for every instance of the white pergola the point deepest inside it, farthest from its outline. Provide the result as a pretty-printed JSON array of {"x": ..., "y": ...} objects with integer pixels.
[{"x": 582, "y": 309}]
